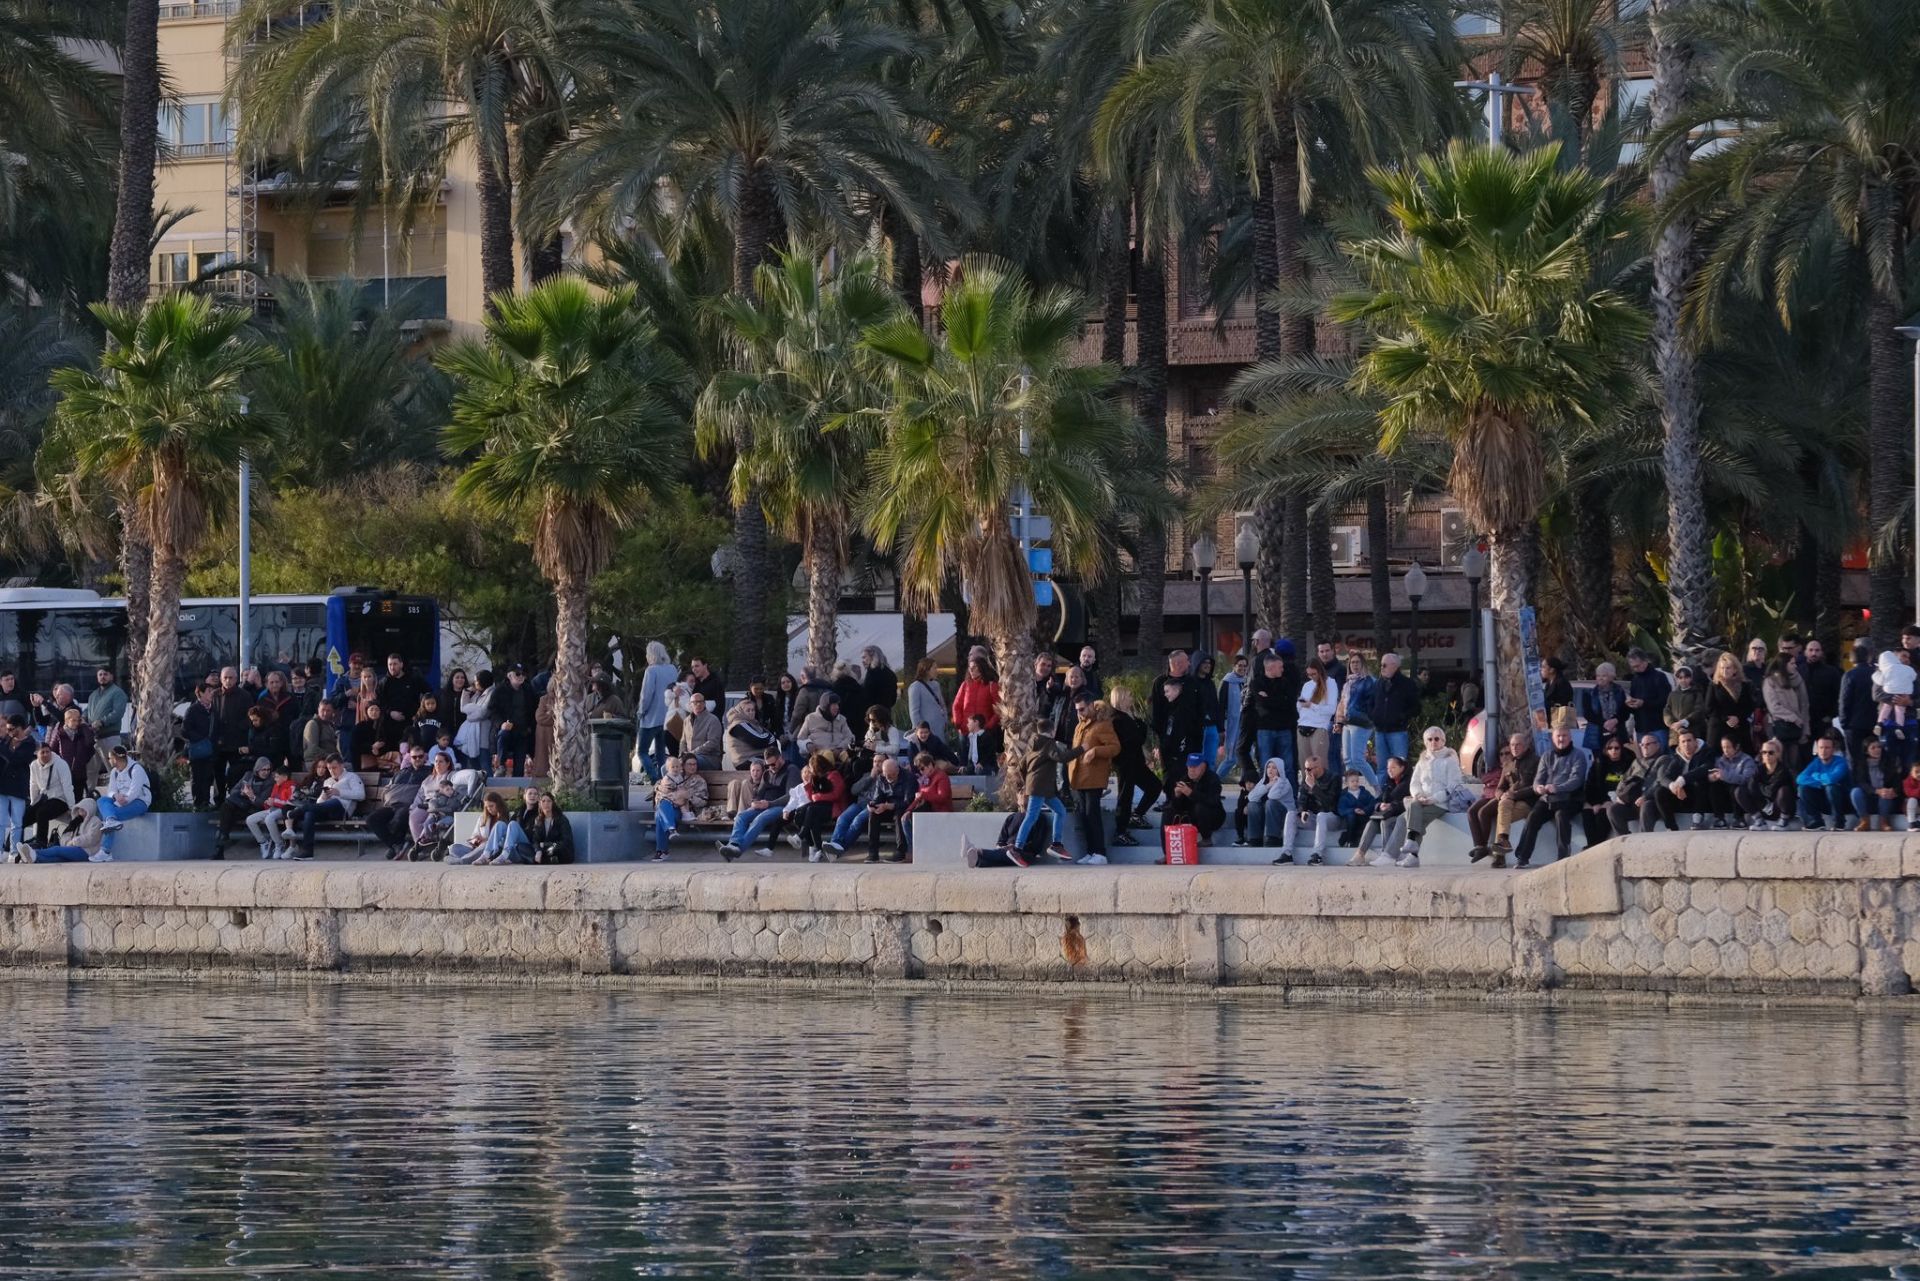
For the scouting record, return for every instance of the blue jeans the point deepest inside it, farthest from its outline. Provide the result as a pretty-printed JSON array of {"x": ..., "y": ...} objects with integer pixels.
[
  {"x": 512, "y": 746},
  {"x": 750, "y": 825},
  {"x": 13, "y": 821},
  {"x": 319, "y": 813},
  {"x": 111, "y": 812},
  {"x": 1818, "y": 802},
  {"x": 1036, "y": 804},
  {"x": 1270, "y": 743},
  {"x": 1265, "y": 820},
  {"x": 666, "y": 817},
  {"x": 1210, "y": 746},
  {"x": 61, "y": 854},
  {"x": 850, "y": 824},
  {"x": 1388, "y": 743},
  {"x": 1867, "y": 805},
  {"x": 1353, "y": 747},
  {"x": 653, "y": 750}
]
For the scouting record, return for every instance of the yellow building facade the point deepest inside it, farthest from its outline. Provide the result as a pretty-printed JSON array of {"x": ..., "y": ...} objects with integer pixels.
[{"x": 223, "y": 215}]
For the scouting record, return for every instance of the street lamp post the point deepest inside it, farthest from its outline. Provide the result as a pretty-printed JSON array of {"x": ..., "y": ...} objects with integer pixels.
[
  {"x": 1203, "y": 561},
  {"x": 246, "y": 553},
  {"x": 1911, "y": 332},
  {"x": 1246, "y": 551},
  {"x": 1416, "y": 581},
  {"x": 1474, "y": 566}
]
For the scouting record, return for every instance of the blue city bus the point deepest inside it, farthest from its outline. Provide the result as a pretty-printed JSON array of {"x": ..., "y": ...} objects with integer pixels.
[{"x": 51, "y": 635}]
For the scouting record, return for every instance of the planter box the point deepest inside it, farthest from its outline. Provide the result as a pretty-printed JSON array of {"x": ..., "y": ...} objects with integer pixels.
[
  {"x": 154, "y": 838},
  {"x": 599, "y": 836}
]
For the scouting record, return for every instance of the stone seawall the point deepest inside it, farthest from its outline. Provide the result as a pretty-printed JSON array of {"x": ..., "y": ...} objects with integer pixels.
[{"x": 1721, "y": 913}]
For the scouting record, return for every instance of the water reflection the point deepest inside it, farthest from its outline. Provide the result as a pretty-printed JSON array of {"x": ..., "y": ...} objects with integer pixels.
[{"x": 157, "y": 1129}]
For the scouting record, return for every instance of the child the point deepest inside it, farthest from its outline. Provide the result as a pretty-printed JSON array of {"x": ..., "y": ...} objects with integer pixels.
[
  {"x": 265, "y": 822},
  {"x": 1893, "y": 680},
  {"x": 1356, "y": 802},
  {"x": 426, "y": 723},
  {"x": 1911, "y": 786},
  {"x": 443, "y": 746},
  {"x": 1388, "y": 815}
]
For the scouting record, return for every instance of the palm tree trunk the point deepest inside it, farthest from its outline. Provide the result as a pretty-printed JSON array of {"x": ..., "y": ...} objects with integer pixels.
[
  {"x": 754, "y": 240},
  {"x": 1116, "y": 284},
  {"x": 153, "y": 736},
  {"x": 1689, "y": 571},
  {"x": 495, "y": 182},
  {"x": 1889, "y": 405},
  {"x": 1103, "y": 619},
  {"x": 823, "y": 596},
  {"x": 1266, "y": 268},
  {"x": 568, "y": 762},
  {"x": 1290, "y": 239},
  {"x": 1379, "y": 570},
  {"x": 1019, "y": 713},
  {"x": 1592, "y": 552},
  {"x": 1293, "y": 572},
  {"x": 136, "y": 566},
  {"x": 1270, "y": 528},
  {"x": 1321, "y": 588},
  {"x": 127, "y": 265},
  {"x": 1150, "y": 320},
  {"x": 1509, "y": 587}
]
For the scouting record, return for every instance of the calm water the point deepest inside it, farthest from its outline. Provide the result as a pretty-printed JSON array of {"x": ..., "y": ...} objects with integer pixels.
[{"x": 153, "y": 1130}]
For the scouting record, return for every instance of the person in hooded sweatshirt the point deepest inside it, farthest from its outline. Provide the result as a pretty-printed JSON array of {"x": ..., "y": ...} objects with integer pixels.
[{"x": 1269, "y": 801}]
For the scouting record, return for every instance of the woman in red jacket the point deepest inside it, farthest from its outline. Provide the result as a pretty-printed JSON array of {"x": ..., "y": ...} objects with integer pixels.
[
  {"x": 933, "y": 794},
  {"x": 979, "y": 695},
  {"x": 826, "y": 801}
]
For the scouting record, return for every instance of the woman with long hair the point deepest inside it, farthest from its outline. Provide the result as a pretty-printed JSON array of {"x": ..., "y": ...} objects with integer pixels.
[
  {"x": 926, "y": 704},
  {"x": 1130, "y": 768},
  {"x": 1730, "y": 703},
  {"x": 498, "y": 839},
  {"x": 1784, "y": 694},
  {"x": 1319, "y": 699}
]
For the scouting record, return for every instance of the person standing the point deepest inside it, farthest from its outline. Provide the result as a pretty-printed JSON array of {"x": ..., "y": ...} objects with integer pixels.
[
  {"x": 107, "y": 713},
  {"x": 1272, "y": 716},
  {"x": 201, "y": 730},
  {"x": 1233, "y": 694},
  {"x": 1859, "y": 712},
  {"x": 978, "y": 695},
  {"x": 1647, "y": 691},
  {"x": 230, "y": 704},
  {"x": 1396, "y": 701},
  {"x": 1822, "y": 680},
  {"x": 1130, "y": 768},
  {"x": 1603, "y": 706},
  {"x": 1319, "y": 699},
  {"x": 926, "y": 704},
  {"x": 650, "y": 710},
  {"x": 879, "y": 687},
  {"x": 1179, "y": 717},
  {"x": 17, "y": 753},
  {"x": 512, "y": 708},
  {"x": 1788, "y": 709},
  {"x": 1353, "y": 719},
  {"x": 1097, "y": 745},
  {"x": 400, "y": 695},
  {"x": 1731, "y": 701}
]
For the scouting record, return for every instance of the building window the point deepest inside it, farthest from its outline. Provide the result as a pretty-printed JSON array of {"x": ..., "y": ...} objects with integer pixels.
[
  {"x": 172, "y": 270},
  {"x": 196, "y": 128},
  {"x": 1634, "y": 98},
  {"x": 1474, "y": 24}
]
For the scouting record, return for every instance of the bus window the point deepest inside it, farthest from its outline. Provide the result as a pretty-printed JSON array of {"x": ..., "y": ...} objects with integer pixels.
[
  {"x": 405, "y": 625},
  {"x": 49, "y": 647},
  {"x": 209, "y": 635},
  {"x": 287, "y": 634}
]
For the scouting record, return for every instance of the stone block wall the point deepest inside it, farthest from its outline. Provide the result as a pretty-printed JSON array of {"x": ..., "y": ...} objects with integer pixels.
[{"x": 1707, "y": 913}]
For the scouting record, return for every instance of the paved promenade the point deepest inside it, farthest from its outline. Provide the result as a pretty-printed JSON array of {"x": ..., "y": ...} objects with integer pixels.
[{"x": 1706, "y": 913}]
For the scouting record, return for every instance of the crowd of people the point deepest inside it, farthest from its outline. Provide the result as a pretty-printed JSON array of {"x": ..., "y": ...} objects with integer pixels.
[{"x": 1278, "y": 748}]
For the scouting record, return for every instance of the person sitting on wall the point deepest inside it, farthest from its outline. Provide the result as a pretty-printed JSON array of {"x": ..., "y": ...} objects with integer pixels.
[{"x": 1195, "y": 798}]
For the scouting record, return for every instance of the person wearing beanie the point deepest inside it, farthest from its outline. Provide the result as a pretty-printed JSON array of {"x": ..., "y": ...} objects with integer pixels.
[{"x": 247, "y": 797}]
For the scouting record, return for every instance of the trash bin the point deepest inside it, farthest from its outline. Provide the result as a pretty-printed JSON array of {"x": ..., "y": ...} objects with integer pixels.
[{"x": 612, "y": 757}]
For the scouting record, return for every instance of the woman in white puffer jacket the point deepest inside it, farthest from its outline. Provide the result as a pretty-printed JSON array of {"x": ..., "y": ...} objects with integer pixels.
[{"x": 1438, "y": 787}]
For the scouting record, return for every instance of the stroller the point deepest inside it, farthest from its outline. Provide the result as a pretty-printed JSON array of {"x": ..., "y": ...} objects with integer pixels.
[{"x": 461, "y": 791}]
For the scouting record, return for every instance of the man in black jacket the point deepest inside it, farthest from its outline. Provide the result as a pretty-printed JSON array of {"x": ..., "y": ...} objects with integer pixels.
[
  {"x": 512, "y": 706},
  {"x": 1859, "y": 713},
  {"x": 1687, "y": 791},
  {"x": 1823, "y": 688},
  {"x": 892, "y": 792},
  {"x": 1270, "y": 713},
  {"x": 388, "y": 820},
  {"x": 706, "y": 682},
  {"x": 1396, "y": 701},
  {"x": 202, "y": 733},
  {"x": 1194, "y": 797},
  {"x": 1647, "y": 690},
  {"x": 1179, "y": 715},
  {"x": 400, "y": 693},
  {"x": 230, "y": 727}
]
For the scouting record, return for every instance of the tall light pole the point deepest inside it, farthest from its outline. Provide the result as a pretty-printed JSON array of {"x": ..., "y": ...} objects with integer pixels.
[
  {"x": 1473, "y": 566},
  {"x": 246, "y": 553},
  {"x": 1911, "y": 332},
  {"x": 1416, "y": 581},
  {"x": 1246, "y": 551},
  {"x": 1203, "y": 561}
]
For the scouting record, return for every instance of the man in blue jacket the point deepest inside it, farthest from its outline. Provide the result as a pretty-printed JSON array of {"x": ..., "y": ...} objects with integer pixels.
[{"x": 1823, "y": 786}]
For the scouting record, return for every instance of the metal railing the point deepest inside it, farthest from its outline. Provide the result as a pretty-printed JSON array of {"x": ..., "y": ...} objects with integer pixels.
[
  {"x": 184, "y": 10},
  {"x": 201, "y": 150}
]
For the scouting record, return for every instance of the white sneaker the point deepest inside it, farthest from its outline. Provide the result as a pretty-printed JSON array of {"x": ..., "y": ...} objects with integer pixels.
[
  {"x": 101, "y": 857},
  {"x": 793, "y": 839},
  {"x": 22, "y": 852},
  {"x": 813, "y": 855},
  {"x": 1407, "y": 860},
  {"x": 970, "y": 852},
  {"x": 28, "y": 854},
  {"x": 112, "y": 825},
  {"x": 764, "y": 851},
  {"x": 1092, "y": 860}
]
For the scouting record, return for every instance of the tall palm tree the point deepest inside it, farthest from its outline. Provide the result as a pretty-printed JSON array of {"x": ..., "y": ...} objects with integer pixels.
[
  {"x": 161, "y": 420},
  {"x": 775, "y": 113},
  {"x": 1571, "y": 50},
  {"x": 800, "y": 397},
  {"x": 561, "y": 418},
  {"x": 1300, "y": 96},
  {"x": 1829, "y": 112},
  {"x": 992, "y": 409},
  {"x": 127, "y": 267},
  {"x": 1689, "y": 567},
  {"x": 387, "y": 90},
  {"x": 54, "y": 121},
  {"x": 1486, "y": 333}
]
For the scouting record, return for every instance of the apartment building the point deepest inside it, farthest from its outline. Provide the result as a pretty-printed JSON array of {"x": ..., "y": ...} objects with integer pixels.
[{"x": 229, "y": 209}]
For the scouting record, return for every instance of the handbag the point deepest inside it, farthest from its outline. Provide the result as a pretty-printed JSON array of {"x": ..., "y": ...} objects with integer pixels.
[{"x": 200, "y": 749}]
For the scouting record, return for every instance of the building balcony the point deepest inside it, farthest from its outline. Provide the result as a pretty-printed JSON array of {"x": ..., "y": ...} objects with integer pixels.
[
  {"x": 215, "y": 150},
  {"x": 190, "y": 10}
]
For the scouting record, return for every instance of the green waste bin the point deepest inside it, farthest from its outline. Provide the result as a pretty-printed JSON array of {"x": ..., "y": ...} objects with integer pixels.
[{"x": 612, "y": 757}]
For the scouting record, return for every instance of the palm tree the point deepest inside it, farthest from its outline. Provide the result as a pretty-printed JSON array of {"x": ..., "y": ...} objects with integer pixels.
[
  {"x": 1690, "y": 570},
  {"x": 561, "y": 415},
  {"x": 162, "y": 422},
  {"x": 773, "y": 112},
  {"x": 992, "y": 410},
  {"x": 799, "y": 397},
  {"x": 52, "y": 124},
  {"x": 386, "y": 91},
  {"x": 1571, "y": 50},
  {"x": 1486, "y": 332},
  {"x": 347, "y": 392},
  {"x": 128, "y": 268},
  {"x": 1829, "y": 112},
  {"x": 1300, "y": 96}
]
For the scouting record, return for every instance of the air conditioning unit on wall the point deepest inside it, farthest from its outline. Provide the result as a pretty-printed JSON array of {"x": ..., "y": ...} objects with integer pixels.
[{"x": 1347, "y": 546}]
